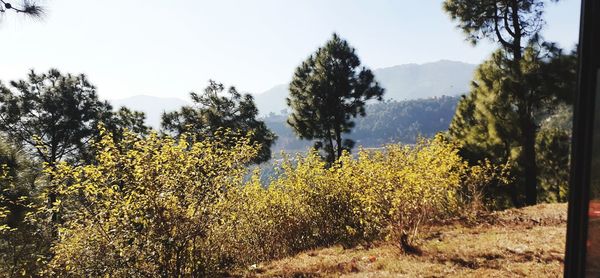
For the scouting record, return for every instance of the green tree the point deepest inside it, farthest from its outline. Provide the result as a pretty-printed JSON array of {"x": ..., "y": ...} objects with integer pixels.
[
  {"x": 553, "y": 145},
  {"x": 21, "y": 240},
  {"x": 124, "y": 120},
  {"x": 56, "y": 117},
  {"x": 486, "y": 120},
  {"x": 514, "y": 24},
  {"x": 482, "y": 125},
  {"x": 216, "y": 109},
  {"x": 329, "y": 90}
]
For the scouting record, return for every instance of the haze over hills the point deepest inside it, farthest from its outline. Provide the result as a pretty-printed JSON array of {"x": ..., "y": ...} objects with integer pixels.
[{"x": 402, "y": 82}]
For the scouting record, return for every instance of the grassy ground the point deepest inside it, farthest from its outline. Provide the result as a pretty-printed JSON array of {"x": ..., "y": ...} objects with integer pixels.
[{"x": 512, "y": 243}]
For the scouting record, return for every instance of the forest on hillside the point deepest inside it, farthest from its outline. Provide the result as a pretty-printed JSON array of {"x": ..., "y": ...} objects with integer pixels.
[
  {"x": 90, "y": 190},
  {"x": 385, "y": 122}
]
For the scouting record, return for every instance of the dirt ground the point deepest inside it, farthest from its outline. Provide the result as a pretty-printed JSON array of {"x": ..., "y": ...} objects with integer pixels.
[{"x": 513, "y": 243}]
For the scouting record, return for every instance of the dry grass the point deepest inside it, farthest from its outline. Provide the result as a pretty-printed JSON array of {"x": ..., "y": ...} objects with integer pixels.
[{"x": 513, "y": 243}]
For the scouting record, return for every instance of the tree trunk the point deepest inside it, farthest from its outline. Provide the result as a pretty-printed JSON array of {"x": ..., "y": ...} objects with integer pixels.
[
  {"x": 52, "y": 198},
  {"x": 528, "y": 159},
  {"x": 338, "y": 141},
  {"x": 330, "y": 150},
  {"x": 526, "y": 122}
]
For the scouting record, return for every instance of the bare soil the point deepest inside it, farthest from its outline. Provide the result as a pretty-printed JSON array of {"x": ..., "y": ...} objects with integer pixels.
[{"x": 512, "y": 243}]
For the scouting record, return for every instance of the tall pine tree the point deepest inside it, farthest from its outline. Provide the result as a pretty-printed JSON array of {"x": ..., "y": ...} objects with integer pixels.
[
  {"x": 513, "y": 24},
  {"x": 486, "y": 120},
  {"x": 327, "y": 91}
]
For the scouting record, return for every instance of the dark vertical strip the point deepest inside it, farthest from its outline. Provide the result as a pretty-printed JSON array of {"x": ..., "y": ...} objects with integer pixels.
[{"x": 589, "y": 48}]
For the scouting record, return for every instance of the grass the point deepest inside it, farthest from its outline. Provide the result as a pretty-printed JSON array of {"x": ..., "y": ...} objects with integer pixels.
[{"x": 513, "y": 243}]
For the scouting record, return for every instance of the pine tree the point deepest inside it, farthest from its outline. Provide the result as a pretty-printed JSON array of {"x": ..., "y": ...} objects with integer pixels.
[
  {"x": 56, "y": 117},
  {"x": 327, "y": 91},
  {"x": 513, "y": 24},
  {"x": 213, "y": 111},
  {"x": 486, "y": 120}
]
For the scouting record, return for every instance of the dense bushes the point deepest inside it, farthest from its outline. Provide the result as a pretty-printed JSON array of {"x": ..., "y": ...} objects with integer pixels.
[
  {"x": 161, "y": 207},
  {"x": 21, "y": 240},
  {"x": 147, "y": 208}
]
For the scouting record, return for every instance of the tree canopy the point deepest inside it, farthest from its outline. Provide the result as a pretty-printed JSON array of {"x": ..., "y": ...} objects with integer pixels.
[
  {"x": 54, "y": 114},
  {"x": 57, "y": 115},
  {"x": 217, "y": 109},
  {"x": 486, "y": 120},
  {"x": 329, "y": 89},
  {"x": 515, "y": 26}
]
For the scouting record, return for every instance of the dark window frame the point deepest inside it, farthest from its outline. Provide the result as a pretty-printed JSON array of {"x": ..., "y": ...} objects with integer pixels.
[{"x": 589, "y": 66}]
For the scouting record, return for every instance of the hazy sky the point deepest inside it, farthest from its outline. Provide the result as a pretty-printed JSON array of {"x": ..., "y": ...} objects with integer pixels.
[{"x": 169, "y": 48}]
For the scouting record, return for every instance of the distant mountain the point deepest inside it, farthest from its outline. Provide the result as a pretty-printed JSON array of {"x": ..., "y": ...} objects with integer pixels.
[
  {"x": 153, "y": 107},
  {"x": 403, "y": 82},
  {"x": 272, "y": 100},
  {"x": 413, "y": 81}
]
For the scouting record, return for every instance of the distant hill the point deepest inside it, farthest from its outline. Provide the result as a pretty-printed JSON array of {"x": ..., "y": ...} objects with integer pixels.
[
  {"x": 402, "y": 82},
  {"x": 272, "y": 100},
  {"x": 386, "y": 122},
  {"x": 413, "y": 81},
  {"x": 152, "y": 106}
]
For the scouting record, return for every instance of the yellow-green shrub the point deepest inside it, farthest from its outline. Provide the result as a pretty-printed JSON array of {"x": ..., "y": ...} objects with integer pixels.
[
  {"x": 146, "y": 208},
  {"x": 378, "y": 193},
  {"x": 164, "y": 207}
]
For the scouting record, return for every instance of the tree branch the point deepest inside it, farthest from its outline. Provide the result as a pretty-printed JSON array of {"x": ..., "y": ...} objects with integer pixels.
[{"x": 497, "y": 30}]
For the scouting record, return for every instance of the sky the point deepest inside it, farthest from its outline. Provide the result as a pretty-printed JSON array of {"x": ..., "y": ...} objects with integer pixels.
[{"x": 169, "y": 48}]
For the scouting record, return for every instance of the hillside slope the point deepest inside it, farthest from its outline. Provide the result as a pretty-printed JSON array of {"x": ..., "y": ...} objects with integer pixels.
[
  {"x": 385, "y": 123},
  {"x": 513, "y": 243}
]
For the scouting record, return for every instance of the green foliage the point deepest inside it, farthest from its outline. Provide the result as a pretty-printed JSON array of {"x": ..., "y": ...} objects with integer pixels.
[
  {"x": 553, "y": 143},
  {"x": 528, "y": 79},
  {"x": 482, "y": 122},
  {"x": 23, "y": 244},
  {"x": 487, "y": 123},
  {"x": 327, "y": 91},
  {"x": 165, "y": 207},
  {"x": 385, "y": 122},
  {"x": 126, "y": 119},
  {"x": 53, "y": 113},
  {"x": 506, "y": 21},
  {"x": 56, "y": 115},
  {"x": 213, "y": 111}
]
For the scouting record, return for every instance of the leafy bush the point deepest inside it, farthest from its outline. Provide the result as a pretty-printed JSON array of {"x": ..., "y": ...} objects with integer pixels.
[
  {"x": 22, "y": 243},
  {"x": 147, "y": 208},
  {"x": 164, "y": 207}
]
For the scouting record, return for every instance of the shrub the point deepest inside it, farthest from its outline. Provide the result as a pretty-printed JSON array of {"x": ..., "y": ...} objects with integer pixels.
[
  {"x": 165, "y": 207},
  {"x": 23, "y": 243},
  {"x": 146, "y": 208}
]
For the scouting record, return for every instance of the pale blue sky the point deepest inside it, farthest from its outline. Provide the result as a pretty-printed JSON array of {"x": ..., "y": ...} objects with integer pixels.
[{"x": 169, "y": 48}]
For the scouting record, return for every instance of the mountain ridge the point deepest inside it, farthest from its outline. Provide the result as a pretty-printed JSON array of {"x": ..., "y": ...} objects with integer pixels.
[{"x": 401, "y": 82}]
